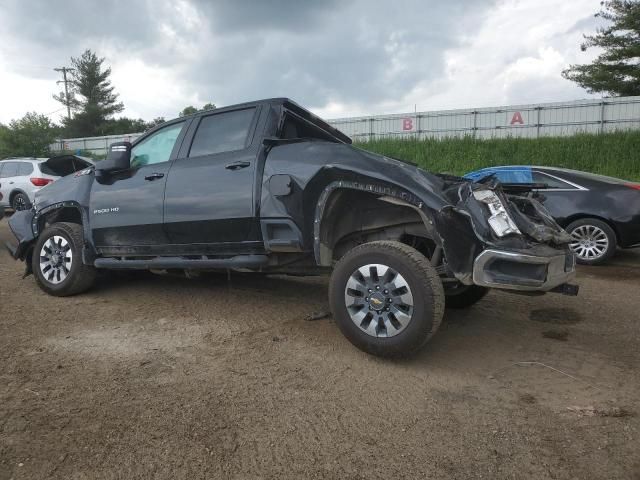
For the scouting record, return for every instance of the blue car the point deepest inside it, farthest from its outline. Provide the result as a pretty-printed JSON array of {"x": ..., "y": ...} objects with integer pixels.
[{"x": 601, "y": 213}]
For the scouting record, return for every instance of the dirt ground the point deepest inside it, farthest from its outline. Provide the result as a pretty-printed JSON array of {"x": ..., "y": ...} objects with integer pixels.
[{"x": 162, "y": 377}]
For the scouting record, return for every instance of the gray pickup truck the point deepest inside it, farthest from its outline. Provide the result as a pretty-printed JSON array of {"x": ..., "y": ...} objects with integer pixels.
[{"x": 268, "y": 187}]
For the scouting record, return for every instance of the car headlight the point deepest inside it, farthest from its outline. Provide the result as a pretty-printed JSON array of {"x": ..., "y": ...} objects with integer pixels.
[{"x": 500, "y": 221}]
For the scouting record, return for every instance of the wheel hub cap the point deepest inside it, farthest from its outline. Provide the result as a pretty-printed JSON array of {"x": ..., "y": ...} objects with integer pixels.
[
  {"x": 589, "y": 242},
  {"x": 55, "y": 259},
  {"x": 379, "y": 300}
]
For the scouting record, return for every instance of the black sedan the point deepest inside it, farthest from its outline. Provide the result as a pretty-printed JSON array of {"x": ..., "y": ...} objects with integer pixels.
[{"x": 601, "y": 213}]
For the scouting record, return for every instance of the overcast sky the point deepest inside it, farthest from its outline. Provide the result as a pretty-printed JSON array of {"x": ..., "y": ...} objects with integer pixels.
[{"x": 337, "y": 57}]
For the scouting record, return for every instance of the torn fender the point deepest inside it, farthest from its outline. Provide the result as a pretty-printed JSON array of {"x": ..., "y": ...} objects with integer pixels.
[{"x": 21, "y": 224}]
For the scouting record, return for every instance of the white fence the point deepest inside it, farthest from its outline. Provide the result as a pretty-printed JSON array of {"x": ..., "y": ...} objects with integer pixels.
[{"x": 534, "y": 120}]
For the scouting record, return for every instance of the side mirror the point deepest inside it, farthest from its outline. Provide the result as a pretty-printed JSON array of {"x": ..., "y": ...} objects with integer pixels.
[{"x": 118, "y": 158}]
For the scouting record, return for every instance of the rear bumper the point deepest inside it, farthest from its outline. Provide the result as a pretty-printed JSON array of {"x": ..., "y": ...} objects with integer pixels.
[{"x": 522, "y": 271}]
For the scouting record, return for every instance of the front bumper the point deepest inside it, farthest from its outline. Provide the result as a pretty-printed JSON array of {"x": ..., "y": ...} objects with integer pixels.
[{"x": 540, "y": 272}]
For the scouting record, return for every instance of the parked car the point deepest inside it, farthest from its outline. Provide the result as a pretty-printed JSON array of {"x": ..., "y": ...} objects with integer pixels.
[
  {"x": 600, "y": 213},
  {"x": 21, "y": 178},
  {"x": 267, "y": 186}
]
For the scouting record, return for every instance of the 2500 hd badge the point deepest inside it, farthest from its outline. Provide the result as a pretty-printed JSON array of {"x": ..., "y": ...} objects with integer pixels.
[{"x": 278, "y": 190}]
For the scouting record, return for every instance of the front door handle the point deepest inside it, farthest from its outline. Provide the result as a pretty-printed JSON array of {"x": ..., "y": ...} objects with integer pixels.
[
  {"x": 237, "y": 165},
  {"x": 153, "y": 176}
]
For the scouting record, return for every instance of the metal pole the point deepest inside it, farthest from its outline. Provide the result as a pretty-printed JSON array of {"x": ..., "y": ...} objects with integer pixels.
[
  {"x": 64, "y": 71},
  {"x": 602, "y": 104}
]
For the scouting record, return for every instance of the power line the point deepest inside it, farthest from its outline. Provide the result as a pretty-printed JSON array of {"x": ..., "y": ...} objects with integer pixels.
[{"x": 67, "y": 100}]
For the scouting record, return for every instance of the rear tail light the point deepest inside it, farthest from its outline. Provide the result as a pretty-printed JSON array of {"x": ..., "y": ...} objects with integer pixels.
[
  {"x": 635, "y": 186},
  {"x": 40, "y": 182}
]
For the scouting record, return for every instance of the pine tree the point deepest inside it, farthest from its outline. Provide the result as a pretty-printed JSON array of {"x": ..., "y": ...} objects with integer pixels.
[
  {"x": 617, "y": 70},
  {"x": 92, "y": 98}
]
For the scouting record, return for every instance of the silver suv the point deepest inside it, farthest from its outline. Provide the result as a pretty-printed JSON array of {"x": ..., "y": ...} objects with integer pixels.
[{"x": 21, "y": 178}]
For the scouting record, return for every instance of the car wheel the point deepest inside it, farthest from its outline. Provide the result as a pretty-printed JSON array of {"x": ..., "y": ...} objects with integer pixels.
[
  {"x": 593, "y": 241},
  {"x": 57, "y": 261},
  {"x": 386, "y": 298},
  {"x": 463, "y": 296},
  {"x": 20, "y": 202}
]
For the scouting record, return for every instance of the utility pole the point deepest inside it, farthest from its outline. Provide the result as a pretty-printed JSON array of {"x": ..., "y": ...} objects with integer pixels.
[{"x": 64, "y": 71}]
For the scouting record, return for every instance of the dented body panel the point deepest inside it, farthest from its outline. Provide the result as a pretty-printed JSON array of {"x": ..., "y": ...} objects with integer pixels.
[{"x": 307, "y": 201}]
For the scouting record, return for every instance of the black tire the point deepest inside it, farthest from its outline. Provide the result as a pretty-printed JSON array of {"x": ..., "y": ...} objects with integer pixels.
[
  {"x": 579, "y": 227},
  {"x": 20, "y": 202},
  {"x": 80, "y": 277},
  {"x": 463, "y": 296},
  {"x": 425, "y": 288}
]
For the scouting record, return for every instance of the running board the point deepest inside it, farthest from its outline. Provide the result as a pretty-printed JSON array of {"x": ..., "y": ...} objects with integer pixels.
[{"x": 239, "y": 261}]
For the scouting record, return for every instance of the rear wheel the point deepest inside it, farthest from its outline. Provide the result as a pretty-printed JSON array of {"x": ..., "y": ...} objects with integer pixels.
[
  {"x": 57, "y": 261},
  {"x": 593, "y": 241},
  {"x": 20, "y": 202},
  {"x": 386, "y": 298}
]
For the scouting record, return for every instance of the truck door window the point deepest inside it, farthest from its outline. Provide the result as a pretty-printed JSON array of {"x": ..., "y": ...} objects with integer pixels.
[
  {"x": 222, "y": 132},
  {"x": 156, "y": 148}
]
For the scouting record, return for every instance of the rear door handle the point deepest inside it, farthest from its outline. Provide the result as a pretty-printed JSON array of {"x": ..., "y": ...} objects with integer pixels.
[
  {"x": 237, "y": 165},
  {"x": 153, "y": 176}
]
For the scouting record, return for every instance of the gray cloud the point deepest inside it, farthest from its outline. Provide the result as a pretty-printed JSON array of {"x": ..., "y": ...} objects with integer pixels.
[{"x": 361, "y": 53}]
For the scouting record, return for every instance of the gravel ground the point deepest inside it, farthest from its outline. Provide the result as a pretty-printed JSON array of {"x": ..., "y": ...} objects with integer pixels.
[{"x": 162, "y": 377}]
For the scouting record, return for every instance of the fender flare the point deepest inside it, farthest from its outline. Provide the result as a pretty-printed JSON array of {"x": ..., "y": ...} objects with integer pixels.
[{"x": 89, "y": 254}]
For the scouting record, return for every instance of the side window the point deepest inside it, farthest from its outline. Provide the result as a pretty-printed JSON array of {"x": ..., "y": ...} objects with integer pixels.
[
  {"x": 10, "y": 170},
  {"x": 222, "y": 132},
  {"x": 156, "y": 148},
  {"x": 551, "y": 182},
  {"x": 25, "y": 168}
]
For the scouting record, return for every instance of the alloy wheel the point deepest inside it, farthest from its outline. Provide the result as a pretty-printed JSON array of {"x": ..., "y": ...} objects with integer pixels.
[
  {"x": 379, "y": 300},
  {"x": 589, "y": 242},
  {"x": 19, "y": 203},
  {"x": 56, "y": 259}
]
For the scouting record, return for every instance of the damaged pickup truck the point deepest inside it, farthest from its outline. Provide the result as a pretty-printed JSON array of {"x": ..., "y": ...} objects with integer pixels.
[{"x": 268, "y": 187}]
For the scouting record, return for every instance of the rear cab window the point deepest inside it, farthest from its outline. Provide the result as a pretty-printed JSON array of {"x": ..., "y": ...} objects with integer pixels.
[
  {"x": 222, "y": 132},
  {"x": 297, "y": 127}
]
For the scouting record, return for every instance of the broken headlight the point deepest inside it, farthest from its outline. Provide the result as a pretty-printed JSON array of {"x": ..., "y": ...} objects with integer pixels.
[{"x": 500, "y": 221}]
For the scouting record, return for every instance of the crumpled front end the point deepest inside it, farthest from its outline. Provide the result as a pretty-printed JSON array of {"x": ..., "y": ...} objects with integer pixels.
[{"x": 494, "y": 239}]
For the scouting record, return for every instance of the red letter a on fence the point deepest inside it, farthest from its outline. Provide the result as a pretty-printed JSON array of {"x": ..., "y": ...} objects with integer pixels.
[{"x": 517, "y": 118}]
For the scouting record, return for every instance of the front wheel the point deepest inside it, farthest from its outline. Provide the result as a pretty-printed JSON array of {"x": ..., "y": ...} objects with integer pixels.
[
  {"x": 386, "y": 298},
  {"x": 57, "y": 261}
]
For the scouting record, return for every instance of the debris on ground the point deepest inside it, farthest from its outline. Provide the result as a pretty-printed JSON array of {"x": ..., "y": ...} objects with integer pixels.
[{"x": 317, "y": 315}]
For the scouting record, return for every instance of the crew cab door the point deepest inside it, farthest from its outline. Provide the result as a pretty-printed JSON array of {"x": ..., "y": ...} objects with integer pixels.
[
  {"x": 126, "y": 207},
  {"x": 209, "y": 198}
]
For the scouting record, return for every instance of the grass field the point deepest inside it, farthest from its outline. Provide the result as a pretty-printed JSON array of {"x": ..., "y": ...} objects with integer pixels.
[{"x": 615, "y": 154}]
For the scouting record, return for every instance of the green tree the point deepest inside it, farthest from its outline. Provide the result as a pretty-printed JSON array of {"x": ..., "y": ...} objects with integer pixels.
[
  {"x": 190, "y": 110},
  {"x": 122, "y": 125},
  {"x": 92, "y": 98},
  {"x": 154, "y": 123},
  {"x": 29, "y": 136},
  {"x": 617, "y": 70}
]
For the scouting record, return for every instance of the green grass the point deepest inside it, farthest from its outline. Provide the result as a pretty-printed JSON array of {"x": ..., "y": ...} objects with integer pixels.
[{"x": 615, "y": 154}]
